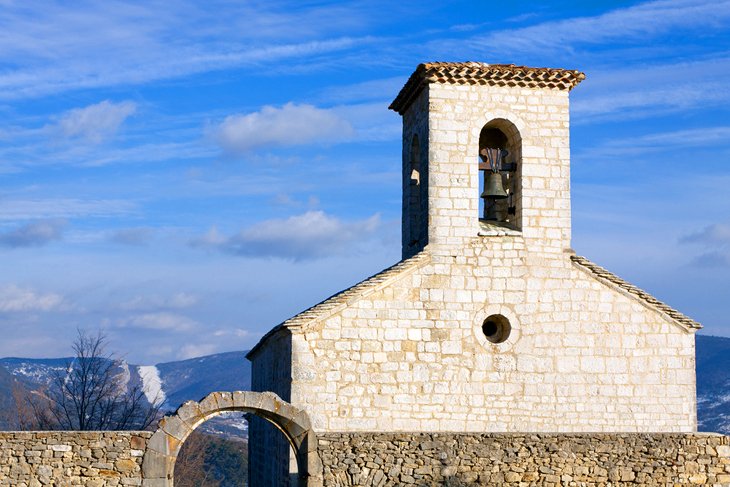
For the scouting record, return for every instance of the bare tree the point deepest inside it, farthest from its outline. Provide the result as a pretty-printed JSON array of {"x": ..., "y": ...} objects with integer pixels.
[{"x": 92, "y": 393}]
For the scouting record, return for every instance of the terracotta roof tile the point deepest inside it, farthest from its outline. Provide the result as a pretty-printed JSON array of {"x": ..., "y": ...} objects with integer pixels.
[
  {"x": 640, "y": 294},
  {"x": 473, "y": 73}
]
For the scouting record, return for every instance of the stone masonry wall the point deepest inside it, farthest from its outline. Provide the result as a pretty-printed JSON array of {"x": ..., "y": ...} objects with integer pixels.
[
  {"x": 410, "y": 354},
  {"x": 456, "y": 116},
  {"x": 269, "y": 462},
  {"x": 388, "y": 459},
  {"x": 71, "y": 458}
]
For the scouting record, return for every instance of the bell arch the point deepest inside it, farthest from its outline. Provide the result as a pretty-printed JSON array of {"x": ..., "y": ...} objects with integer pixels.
[
  {"x": 163, "y": 447},
  {"x": 500, "y": 189}
]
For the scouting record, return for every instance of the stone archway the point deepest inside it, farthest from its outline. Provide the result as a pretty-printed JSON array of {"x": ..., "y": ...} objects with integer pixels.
[{"x": 162, "y": 449}]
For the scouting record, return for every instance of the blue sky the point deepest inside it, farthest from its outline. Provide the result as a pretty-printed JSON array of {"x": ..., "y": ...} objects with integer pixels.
[{"x": 185, "y": 175}]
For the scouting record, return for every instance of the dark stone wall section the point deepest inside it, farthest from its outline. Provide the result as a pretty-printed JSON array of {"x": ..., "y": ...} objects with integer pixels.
[{"x": 457, "y": 459}]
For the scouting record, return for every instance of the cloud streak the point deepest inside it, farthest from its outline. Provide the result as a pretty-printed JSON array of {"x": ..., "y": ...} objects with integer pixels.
[
  {"x": 311, "y": 235},
  {"x": 161, "y": 320},
  {"x": 133, "y": 236},
  {"x": 33, "y": 234},
  {"x": 60, "y": 208},
  {"x": 717, "y": 234},
  {"x": 50, "y": 48},
  {"x": 641, "y": 21}
]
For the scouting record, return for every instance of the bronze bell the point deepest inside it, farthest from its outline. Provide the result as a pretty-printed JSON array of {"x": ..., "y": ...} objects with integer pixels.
[{"x": 493, "y": 188}]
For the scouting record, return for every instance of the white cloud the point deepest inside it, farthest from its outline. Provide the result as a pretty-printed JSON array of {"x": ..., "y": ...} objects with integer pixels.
[
  {"x": 159, "y": 321},
  {"x": 310, "y": 235},
  {"x": 14, "y": 298},
  {"x": 95, "y": 122},
  {"x": 291, "y": 124}
]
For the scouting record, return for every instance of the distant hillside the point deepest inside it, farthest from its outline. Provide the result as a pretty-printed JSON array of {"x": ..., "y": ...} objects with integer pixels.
[
  {"x": 8, "y": 410},
  {"x": 175, "y": 382},
  {"x": 195, "y": 378},
  {"x": 713, "y": 383}
]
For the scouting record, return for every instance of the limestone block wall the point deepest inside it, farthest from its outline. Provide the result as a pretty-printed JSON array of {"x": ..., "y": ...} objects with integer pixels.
[
  {"x": 269, "y": 462},
  {"x": 70, "y": 458},
  {"x": 455, "y": 116},
  {"x": 410, "y": 355},
  {"x": 387, "y": 459},
  {"x": 415, "y": 217}
]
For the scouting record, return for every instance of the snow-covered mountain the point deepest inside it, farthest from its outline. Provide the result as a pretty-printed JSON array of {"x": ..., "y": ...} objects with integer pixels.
[{"x": 169, "y": 384}]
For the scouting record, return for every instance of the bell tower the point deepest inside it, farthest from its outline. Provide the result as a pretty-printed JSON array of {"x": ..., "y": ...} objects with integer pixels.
[{"x": 486, "y": 153}]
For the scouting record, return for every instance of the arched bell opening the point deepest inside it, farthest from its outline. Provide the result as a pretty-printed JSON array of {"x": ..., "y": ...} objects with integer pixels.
[{"x": 500, "y": 189}]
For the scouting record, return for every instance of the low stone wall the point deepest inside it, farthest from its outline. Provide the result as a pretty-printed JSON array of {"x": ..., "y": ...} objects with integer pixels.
[
  {"x": 70, "y": 458},
  {"x": 456, "y": 459}
]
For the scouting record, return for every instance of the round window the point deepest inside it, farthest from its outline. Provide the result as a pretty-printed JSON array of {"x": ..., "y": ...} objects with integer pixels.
[{"x": 496, "y": 328}]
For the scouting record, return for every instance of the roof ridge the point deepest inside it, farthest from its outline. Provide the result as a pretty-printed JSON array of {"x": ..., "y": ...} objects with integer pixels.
[
  {"x": 331, "y": 304},
  {"x": 477, "y": 73},
  {"x": 640, "y": 294}
]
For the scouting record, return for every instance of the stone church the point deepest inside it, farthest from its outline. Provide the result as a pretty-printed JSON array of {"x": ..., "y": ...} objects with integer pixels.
[{"x": 491, "y": 322}]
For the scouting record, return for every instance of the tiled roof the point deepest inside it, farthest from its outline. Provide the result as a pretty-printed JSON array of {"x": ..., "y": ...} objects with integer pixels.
[
  {"x": 342, "y": 299},
  {"x": 472, "y": 73},
  {"x": 640, "y": 294}
]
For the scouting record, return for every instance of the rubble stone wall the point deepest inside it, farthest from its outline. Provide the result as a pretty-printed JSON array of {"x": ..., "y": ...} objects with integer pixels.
[
  {"x": 389, "y": 459},
  {"x": 70, "y": 458}
]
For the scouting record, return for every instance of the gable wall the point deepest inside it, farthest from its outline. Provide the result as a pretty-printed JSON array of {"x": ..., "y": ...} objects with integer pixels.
[{"x": 411, "y": 357}]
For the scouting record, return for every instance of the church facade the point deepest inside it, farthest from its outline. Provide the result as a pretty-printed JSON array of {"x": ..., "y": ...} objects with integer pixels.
[{"x": 491, "y": 322}]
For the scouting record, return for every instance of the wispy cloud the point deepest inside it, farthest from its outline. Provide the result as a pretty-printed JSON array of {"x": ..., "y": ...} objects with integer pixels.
[
  {"x": 310, "y": 235},
  {"x": 377, "y": 89},
  {"x": 641, "y": 21},
  {"x": 133, "y": 236},
  {"x": 58, "y": 208},
  {"x": 95, "y": 122},
  {"x": 157, "y": 303},
  {"x": 657, "y": 89},
  {"x": 161, "y": 320},
  {"x": 715, "y": 239},
  {"x": 717, "y": 234},
  {"x": 33, "y": 234},
  {"x": 711, "y": 260},
  {"x": 291, "y": 124},
  {"x": 18, "y": 299},
  {"x": 621, "y": 148},
  {"x": 49, "y": 48}
]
